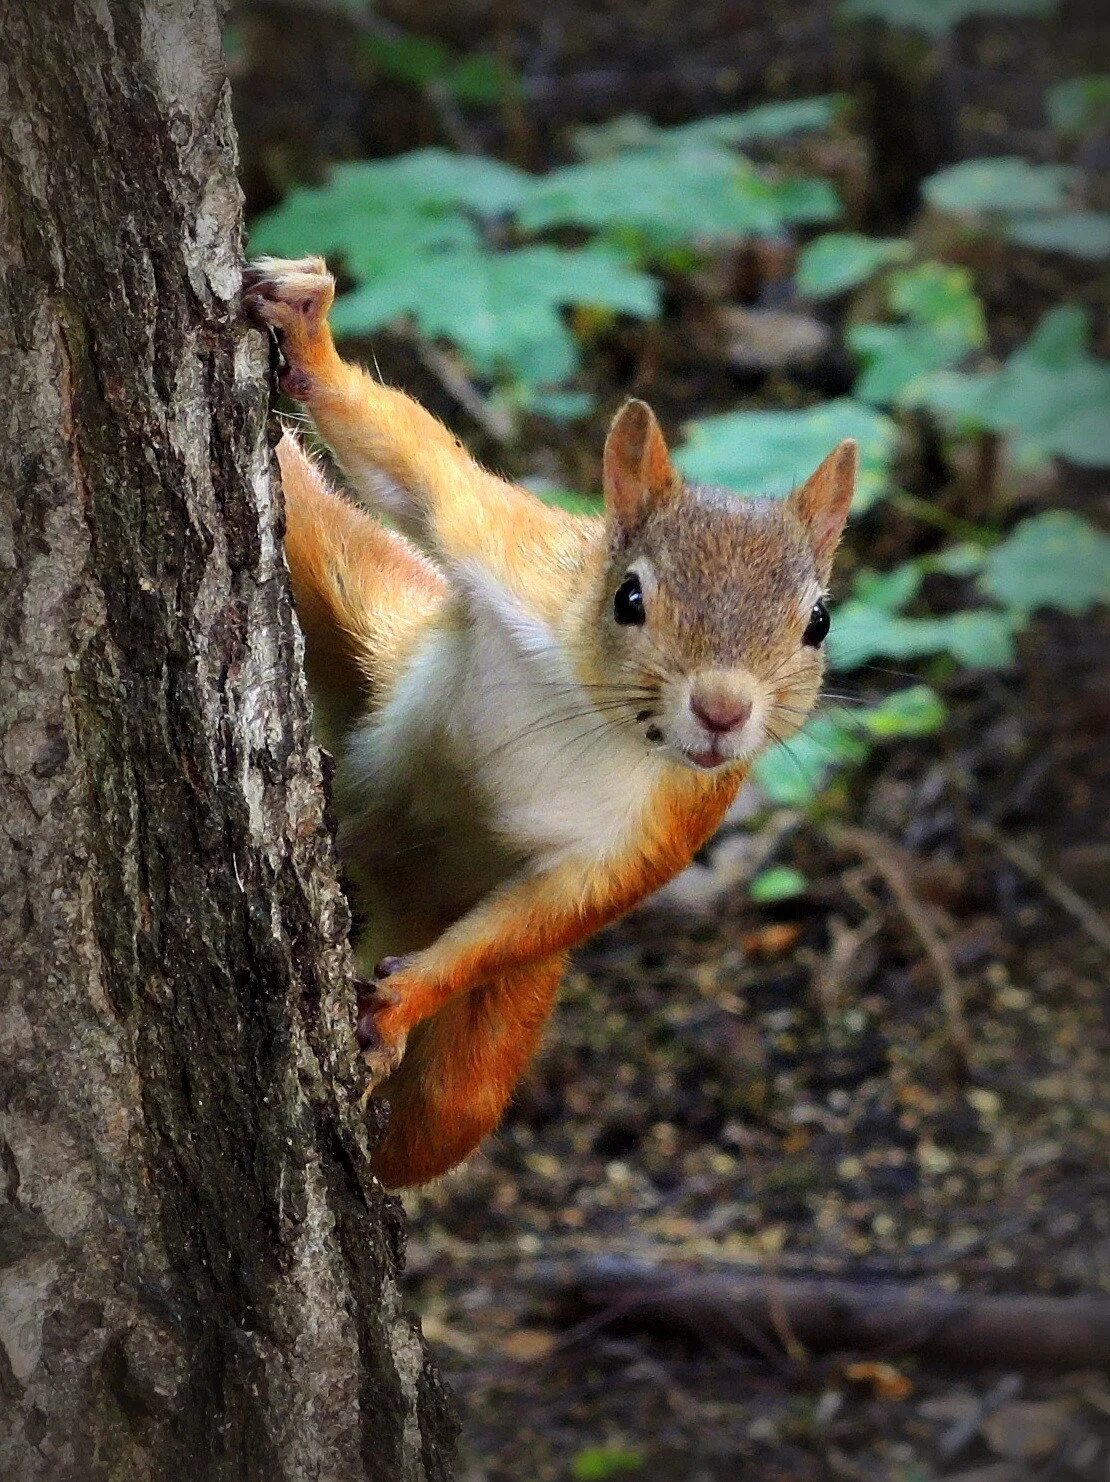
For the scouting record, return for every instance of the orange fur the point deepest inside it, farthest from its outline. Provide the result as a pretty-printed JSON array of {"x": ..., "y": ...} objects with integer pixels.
[{"x": 363, "y": 594}]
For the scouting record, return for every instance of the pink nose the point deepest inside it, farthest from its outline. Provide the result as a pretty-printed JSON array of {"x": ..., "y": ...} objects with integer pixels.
[{"x": 721, "y": 713}]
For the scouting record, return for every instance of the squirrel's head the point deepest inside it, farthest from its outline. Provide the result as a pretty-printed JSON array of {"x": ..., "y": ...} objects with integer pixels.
[{"x": 711, "y": 615}]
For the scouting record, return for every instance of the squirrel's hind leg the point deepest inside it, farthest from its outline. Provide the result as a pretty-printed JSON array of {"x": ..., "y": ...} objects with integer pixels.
[{"x": 459, "y": 1072}]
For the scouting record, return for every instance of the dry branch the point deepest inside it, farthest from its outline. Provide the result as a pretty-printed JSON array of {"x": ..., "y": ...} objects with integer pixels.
[{"x": 826, "y": 1315}]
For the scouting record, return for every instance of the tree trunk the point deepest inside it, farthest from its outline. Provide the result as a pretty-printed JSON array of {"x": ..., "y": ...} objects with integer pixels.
[{"x": 198, "y": 1275}]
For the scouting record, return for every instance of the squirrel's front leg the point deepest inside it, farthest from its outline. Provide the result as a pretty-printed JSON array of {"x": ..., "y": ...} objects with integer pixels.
[{"x": 535, "y": 918}]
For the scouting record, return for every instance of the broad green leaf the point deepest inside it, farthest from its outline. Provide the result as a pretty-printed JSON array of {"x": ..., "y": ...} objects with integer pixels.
[
  {"x": 779, "y": 883},
  {"x": 694, "y": 194},
  {"x": 568, "y": 499},
  {"x": 938, "y": 17},
  {"x": 937, "y": 294},
  {"x": 1005, "y": 184},
  {"x": 772, "y": 452},
  {"x": 409, "y": 58},
  {"x": 947, "y": 322},
  {"x": 405, "y": 200},
  {"x": 1052, "y": 560},
  {"x": 766, "y": 121},
  {"x": 501, "y": 309},
  {"x": 837, "y": 261},
  {"x": 982, "y": 639},
  {"x": 896, "y": 356},
  {"x": 1052, "y": 397},
  {"x": 1080, "y": 104},
  {"x": 1077, "y": 233},
  {"x": 482, "y": 79},
  {"x": 793, "y": 774}
]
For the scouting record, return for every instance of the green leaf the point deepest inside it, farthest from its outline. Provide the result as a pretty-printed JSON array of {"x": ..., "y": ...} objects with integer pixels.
[
  {"x": 792, "y": 775},
  {"x": 481, "y": 79},
  {"x": 777, "y": 884},
  {"x": 947, "y": 322},
  {"x": 409, "y": 58},
  {"x": 772, "y": 452},
  {"x": 895, "y": 356},
  {"x": 1052, "y": 397},
  {"x": 767, "y": 121},
  {"x": 939, "y": 17},
  {"x": 599, "y": 1463},
  {"x": 702, "y": 194},
  {"x": 937, "y": 294},
  {"x": 837, "y": 261},
  {"x": 501, "y": 309},
  {"x": 982, "y": 639},
  {"x": 632, "y": 131},
  {"x": 1052, "y": 560},
  {"x": 1080, "y": 104},
  {"x": 1005, "y": 184},
  {"x": 1077, "y": 233}
]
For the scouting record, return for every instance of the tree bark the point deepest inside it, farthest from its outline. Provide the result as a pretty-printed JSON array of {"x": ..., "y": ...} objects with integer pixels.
[{"x": 198, "y": 1275}]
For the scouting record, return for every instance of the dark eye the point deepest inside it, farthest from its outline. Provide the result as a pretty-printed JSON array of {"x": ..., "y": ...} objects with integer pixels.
[
  {"x": 817, "y": 627},
  {"x": 628, "y": 604}
]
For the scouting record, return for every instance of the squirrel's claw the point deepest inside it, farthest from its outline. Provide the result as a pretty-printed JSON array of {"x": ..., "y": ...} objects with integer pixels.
[{"x": 380, "y": 1055}]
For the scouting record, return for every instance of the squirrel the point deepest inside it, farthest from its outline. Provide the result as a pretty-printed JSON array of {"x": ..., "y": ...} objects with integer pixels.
[{"x": 537, "y": 718}]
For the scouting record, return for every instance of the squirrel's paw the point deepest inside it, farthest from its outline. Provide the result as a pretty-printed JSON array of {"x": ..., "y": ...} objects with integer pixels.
[
  {"x": 382, "y": 1052},
  {"x": 291, "y": 297}
]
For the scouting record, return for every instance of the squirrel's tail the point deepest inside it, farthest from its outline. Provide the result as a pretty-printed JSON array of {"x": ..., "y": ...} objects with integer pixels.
[{"x": 363, "y": 593}]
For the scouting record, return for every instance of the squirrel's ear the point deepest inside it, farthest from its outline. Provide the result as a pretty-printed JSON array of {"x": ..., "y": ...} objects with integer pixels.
[
  {"x": 638, "y": 474},
  {"x": 823, "y": 501}
]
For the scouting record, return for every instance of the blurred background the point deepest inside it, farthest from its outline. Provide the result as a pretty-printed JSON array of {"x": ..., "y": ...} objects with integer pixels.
[{"x": 865, "y": 1035}]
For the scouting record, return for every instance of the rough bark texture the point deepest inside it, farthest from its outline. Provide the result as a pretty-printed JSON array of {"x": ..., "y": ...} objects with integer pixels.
[{"x": 197, "y": 1272}]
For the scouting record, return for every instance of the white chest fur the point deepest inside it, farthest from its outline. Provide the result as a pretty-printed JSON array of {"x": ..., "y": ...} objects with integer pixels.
[{"x": 553, "y": 777}]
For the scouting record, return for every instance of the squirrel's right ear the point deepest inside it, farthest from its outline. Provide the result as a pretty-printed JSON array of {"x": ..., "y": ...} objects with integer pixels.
[{"x": 638, "y": 474}]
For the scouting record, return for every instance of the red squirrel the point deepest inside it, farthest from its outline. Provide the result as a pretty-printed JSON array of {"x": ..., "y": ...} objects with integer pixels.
[{"x": 537, "y": 717}]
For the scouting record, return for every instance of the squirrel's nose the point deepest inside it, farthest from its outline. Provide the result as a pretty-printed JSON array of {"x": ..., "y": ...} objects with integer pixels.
[{"x": 719, "y": 711}]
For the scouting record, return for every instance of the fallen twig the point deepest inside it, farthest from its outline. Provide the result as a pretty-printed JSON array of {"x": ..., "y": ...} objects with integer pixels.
[
  {"x": 889, "y": 862},
  {"x": 835, "y": 1316}
]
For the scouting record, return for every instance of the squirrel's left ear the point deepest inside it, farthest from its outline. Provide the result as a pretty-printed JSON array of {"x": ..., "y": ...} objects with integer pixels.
[
  {"x": 638, "y": 474},
  {"x": 823, "y": 501}
]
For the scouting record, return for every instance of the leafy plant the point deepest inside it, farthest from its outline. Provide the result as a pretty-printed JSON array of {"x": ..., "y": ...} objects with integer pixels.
[
  {"x": 780, "y": 883},
  {"x": 502, "y": 308},
  {"x": 770, "y": 452},
  {"x": 476, "y": 78},
  {"x": 1051, "y": 398},
  {"x": 1052, "y": 560},
  {"x": 838, "y": 261},
  {"x": 793, "y": 775},
  {"x": 938, "y": 17},
  {"x": 1027, "y": 203},
  {"x": 945, "y": 321},
  {"x": 1055, "y": 559}
]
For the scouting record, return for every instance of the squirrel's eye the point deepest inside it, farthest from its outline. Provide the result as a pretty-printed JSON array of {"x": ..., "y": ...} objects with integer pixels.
[
  {"x": 628, "y": 604},
  {"x": 817, "y": 627}
]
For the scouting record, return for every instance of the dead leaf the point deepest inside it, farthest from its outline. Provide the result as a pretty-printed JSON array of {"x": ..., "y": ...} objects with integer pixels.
[
  {"x": 774, "y": 940},
  {"x": 1026, "y": 1430},
  {"x": 528, "y": 1344},
  {"x": 887, "y": 1382}
]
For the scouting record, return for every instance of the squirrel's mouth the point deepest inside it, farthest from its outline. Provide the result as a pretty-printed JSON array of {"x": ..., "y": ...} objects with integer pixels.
[{"x": 706, "y": 757}]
